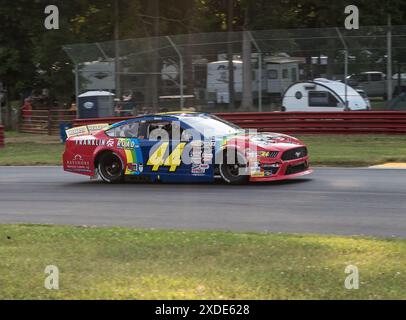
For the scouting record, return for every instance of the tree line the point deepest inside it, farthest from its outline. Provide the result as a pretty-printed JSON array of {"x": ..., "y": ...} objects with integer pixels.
[{"x": 32, "y": 57}]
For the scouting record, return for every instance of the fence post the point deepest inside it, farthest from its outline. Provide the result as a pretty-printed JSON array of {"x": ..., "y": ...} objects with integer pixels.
[
  {"x": 1, "y": 136},
  {"x": 345, "y": 66},
  {"x": 389, "y": 88},
  {"x": 182, "y": 101},
  {"x": 259, "y": 71},
  {"x": 49, "y": 122}
]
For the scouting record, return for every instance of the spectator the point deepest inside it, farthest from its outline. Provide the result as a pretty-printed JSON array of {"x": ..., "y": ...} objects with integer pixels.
[{"x": 27, "y": 110}]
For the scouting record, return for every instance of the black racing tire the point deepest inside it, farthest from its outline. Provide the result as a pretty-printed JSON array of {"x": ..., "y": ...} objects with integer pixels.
[
  {"x": 110, "y": 168},
  {"x": 234, "y": 173}
]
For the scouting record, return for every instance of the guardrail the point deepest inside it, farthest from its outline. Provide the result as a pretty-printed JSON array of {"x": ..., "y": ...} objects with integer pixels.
[
  {"x": 2, "y": 136},
  {"x": 351, "y": 122},
  {"x": 45, "y": 121}
]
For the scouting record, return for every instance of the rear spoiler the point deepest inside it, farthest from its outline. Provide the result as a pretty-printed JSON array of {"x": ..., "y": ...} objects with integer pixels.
[{"x": 86, "y": 130}]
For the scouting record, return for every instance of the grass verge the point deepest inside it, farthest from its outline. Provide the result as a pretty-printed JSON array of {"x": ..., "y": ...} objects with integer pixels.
[
  {"x": 24, "y": 149},
  {"x": 123, "y": 263},
  {"x": 327, "y": 150},
  {"x": 355, "y": 150}
]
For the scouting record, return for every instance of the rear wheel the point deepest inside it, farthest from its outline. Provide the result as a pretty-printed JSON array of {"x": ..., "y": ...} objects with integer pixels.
[
  {"x": 235, "y": 170},
  {"x": 111, "y": 168}
]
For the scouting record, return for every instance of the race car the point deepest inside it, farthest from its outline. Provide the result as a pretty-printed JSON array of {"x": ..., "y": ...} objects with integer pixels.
[{"x": 183, "y": 147}]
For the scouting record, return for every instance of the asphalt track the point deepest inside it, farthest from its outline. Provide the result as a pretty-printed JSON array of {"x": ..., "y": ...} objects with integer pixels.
[{"x": 330, "y": 201}]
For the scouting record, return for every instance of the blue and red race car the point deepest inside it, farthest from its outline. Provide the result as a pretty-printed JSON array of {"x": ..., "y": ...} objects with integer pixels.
[{"x": 183, "y": 147}]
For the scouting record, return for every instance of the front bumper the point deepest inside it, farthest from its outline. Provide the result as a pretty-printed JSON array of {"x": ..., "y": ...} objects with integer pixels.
[{"x": 285, "y": 170}]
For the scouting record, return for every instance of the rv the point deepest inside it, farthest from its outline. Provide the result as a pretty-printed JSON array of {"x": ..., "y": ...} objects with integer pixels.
[
  {"x": 217, "y": 81},
  {"x": 278, "y": 73},
  {"x": 323, "y": 95},
  {"x": 281, "y": 72}
]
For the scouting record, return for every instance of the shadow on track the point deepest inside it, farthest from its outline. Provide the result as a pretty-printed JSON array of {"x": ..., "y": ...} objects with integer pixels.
[{"x": 217, "y": 182}]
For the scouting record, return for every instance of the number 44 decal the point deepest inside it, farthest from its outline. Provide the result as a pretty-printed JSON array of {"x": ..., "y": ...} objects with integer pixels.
[{"x": 173, "y": 160}]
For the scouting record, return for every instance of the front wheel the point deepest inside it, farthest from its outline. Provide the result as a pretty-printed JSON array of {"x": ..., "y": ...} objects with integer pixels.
[
  {"x": 234, "y": 171},
  {"x": 111, "y": 168}
]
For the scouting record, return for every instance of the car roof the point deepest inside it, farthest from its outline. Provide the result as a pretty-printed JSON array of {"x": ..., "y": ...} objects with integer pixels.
[{"x": 172, "y": 114}]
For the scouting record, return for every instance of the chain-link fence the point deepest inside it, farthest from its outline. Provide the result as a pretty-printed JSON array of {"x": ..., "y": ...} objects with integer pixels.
[{"x": 194, "y": 70}]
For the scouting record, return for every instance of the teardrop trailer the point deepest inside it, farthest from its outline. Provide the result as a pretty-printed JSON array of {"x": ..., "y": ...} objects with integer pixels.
[{"x": 323, "y": 95}]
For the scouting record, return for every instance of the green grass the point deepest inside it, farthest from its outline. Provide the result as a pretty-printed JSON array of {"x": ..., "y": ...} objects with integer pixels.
[
  {"x": 123, "y": 263},
  {"x": 327, "y": 150},
  {"x": 355, "y": 150},
  {"x": 378, "y": 105},
  {"x": 28, "y": 149}
]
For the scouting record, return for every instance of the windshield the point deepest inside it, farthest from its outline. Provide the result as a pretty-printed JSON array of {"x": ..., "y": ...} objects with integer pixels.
[{"x": 211, "y": 125}]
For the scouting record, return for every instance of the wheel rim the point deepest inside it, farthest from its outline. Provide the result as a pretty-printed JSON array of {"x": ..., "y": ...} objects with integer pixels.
[
  {"x": 233, "y": 170},
  {"x": 111, "y": 167}
]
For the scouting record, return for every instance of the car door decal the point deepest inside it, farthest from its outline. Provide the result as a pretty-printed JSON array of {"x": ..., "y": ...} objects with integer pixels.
[
  {"x": 133, "y": 154},
  {"x": 173, "y": 160}
]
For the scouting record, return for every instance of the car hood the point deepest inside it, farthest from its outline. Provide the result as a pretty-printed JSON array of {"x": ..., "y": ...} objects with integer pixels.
[{"x": 263, "y": 140}]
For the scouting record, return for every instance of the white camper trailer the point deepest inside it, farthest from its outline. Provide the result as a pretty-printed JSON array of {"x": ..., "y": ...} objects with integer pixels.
[
  {"x": 217, "y": 81},
  {"x": 281, "y": 72},
  {"x": 277, "y": 74},
  {"x": 322, "y": 95}
]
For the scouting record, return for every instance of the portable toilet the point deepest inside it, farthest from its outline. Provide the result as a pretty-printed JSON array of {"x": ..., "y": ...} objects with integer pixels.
[{"x": 95, "y": 104}]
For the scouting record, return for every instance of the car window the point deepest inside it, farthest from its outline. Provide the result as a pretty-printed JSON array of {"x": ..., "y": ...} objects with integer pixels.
[
  {"x": 128, "y": 130},
  {"x": 322, "y": 99},
  {"x": 361, "y": 77},
  {"x": 376, "y": 77},
  {"x": 162, "y": 130},
  {"x": 285, "y": 73}
]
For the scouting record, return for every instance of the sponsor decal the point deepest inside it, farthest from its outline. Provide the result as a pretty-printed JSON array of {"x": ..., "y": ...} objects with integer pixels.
[
  {"x": 199, "y": 168},
  {"x": 97, "y": 127},
  {"x": 209, "y": 144},
  {"x": 77, "y": 163},
  {"x": 133, "y": 158},
  {"x": 85, "y": 130},
  {"x": 255, "y": 170},
  {"x": 258, "y": 174},
  {"x": 110, "y": 143},
  {"x": 264, "y": 153},
  {"x": 201, "y": 152},
  {"x": 90, "y": 142},
  {"x": 207, "y": 157},
  {"x": 135, "y": 167},
  {"x": 125, "y": 144},
  {"x": 78, "y": 131}
]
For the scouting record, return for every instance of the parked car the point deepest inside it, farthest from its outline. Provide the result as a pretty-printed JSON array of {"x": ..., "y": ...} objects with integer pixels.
[{"x": 374, "y": 83}]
